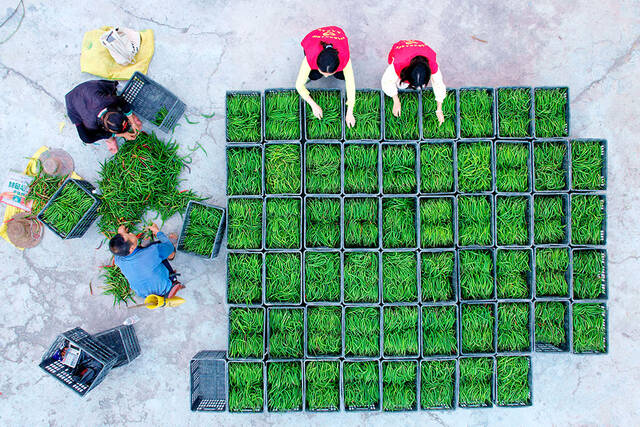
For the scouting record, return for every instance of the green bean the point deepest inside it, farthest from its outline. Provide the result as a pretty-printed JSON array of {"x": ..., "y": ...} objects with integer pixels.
[
  {"x": 202, "y": 229},
  {"x": 587, "y": 163},
  {"x": 67, "y": 209},
  {"x": 476, "y": 113},
  {"x": 514, "y": 107},
  {"x": 282, "y": 120},
  {"x": 244, "y": 171},
  {"x": 550, "y": 106},
  {"x": 431, "y": 127},
  {"x": 243, "y": 117},
  {"x": 399, "y": 169},
  {"x": 330, "y": 126},
  {"x": 405, "y": 127},
  {"x": 367, "y": 114}
]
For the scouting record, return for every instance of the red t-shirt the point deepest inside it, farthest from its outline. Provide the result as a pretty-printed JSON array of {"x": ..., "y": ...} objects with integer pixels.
[
  {"x": 404, "y": 51},
  {"x": 330, "y": 35}
]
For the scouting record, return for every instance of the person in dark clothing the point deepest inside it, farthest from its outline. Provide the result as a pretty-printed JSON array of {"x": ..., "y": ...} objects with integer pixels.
[{"x": 99, "y": 113}]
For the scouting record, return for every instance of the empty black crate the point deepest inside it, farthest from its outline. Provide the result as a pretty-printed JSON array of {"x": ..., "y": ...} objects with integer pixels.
[
  {"x": 122, "y": 340},
  {"x": 208, "y": 381}
]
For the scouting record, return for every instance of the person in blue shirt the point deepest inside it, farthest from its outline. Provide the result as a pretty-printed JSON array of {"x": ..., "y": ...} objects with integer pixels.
[{"x": 147, "y": 269}]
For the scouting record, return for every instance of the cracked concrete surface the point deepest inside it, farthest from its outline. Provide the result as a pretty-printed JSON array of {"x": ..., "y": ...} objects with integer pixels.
[{"x": 205, "y": 48}]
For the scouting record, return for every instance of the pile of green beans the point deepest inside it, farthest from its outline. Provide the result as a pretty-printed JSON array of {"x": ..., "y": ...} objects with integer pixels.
[
  {"x": 244, "y": 278},
  {"x": 431, "y": 127},
  {"x": 513, "y": 386},
  {"x": 282, "y": 120},
  {"x": 362, "y": 331},
  {"x": 437, "y": 384},
  {"x": 160, "y": 116},
  {"x": 512, "y": 167},
  {"x": 549, "y": 159},
  {"x": 514, "y": 107},
  {"x": 405, "y": 127},
  {"x": 361, "y": 169},
  {"x": 476, "y": 113},
  {"x": 322, "y": 276},
  {"x": 513, "y": 268},
  {"x": 67, "y": 209},
  {"x": 477, "y": 328},
  {"x": 116, "y": 285},
  {"x": 550, "y": 324},
  {"x": 323, "y": 385},
  {"x": 474, "y": 220},
  {"x": 244, "y": 171},
  {"x": 513, "y": 326},
  {"x": 202, "y": 229},
  {"x": 284, "y": 386},
  {"x": 399, "y": 277},
  {"x": 587, "y": 219},
  {"x": 324, "y": 331},
  {"x": 367, "y": 114},
  {"x": 436, "y": 223},
  {"x": 361, "y": 385},
  {"x": 476, "y": 274},
  {"x": 246, "y": 387},
  {"x": 437, "y": 276},
  {"x": 243, "y": 118},
  {"x": 142, "y": 176},
  {"x": 399, "y": 381},
  {"x": 286, "y": 332},
  {"x": 282, "y": 283},
  {"x": 399, "y": 169},
  {"x": 552, "y": 265},
  {"x": 400, "y": 331},
  {"x": 551, "y": 116},
  {"x": 512, "y": 220},
  {"x": 587, "y": 161},
  {"x": 361, "y": 277},
  {"x": 323, "y": 168},
  {"x": 330, "y": 125},
  {"x": 244, "y": 230},
  {"x": 436, "y": 168},
  {"x": 588, "y": 274},
  {"x": 282, "y": 171},
  {"x": 474, "y": 166},
  {"x": 475, "y": 386},
  {"x": 42, "y": 188},
  {"x": 246, "y": 329},
  {"x": 323, "y": 222},
  {"x": 399, "y": 223},
  {"x": 589, "y": 328},
  {"x": 549, "y": 217},
  {"x": 439, "y": 326},
  {"x": 361, "y": 223},
  {"x": 283, "y": 217}
]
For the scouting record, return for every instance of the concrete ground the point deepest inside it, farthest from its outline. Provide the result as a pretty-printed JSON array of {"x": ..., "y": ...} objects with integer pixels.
[{"x": 205, "y": 48}]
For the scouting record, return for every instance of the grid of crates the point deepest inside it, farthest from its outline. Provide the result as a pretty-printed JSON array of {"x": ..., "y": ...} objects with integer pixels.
[{"x": 365, "y": 341}]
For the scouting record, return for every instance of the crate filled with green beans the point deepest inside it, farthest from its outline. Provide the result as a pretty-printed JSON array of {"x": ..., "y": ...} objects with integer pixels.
[
  {"x": 475, "y": 386},
  {"x": 513, "y": 167},
  {"x": 246, "y": 386},
  {"x": 551, "y": 105},
  {"x": 322, "y": 173},
  {"x": 283, "y": 168},
  {"x": 283, "y": 219},
  {"x": 431, "y": 127},
  {"x": 322, "y": 385},
  {"x": 588, "y": 219},
  {"x": 322, "y": 222},
  {"x": 399, "y": 385},
  {"x": 331, "y": 125},
  {"x": 552, "y": 323},
  {"x": 282, "y": 117},
  {"x": 285, "y": 333},
  {"x": 360, "y": 168},
  {"x": 399, "y": 277},
  {"x": 550, "y": 165},
  {"x": 437, "y": 222},
  {"x": 475, "y": 166},
  {"x": 71, "y": 209},
  {"x": 514, "y": 273},
  {"x": 360, "y": 222},
  {"x": 245, "y": 278},
  {"x": 284, "y": 386},
  {"x": 438, "y": 167},
  {"x": 247, "y": 331},
  {"x": 406, "y": 126},
  {"x": 244, "y": 170},
  {"x": 244, "y": 116},
  {"x": 283, "y": 278},
  {"x": 590, "y": 328},
  {"x": 323, "y": 329},
  {"x": 515, "y": 320},
  {"x": 588, "y": 164},
  {"x": 438, "y": 276},
  {"x": 361, "y": 385},
  {"x": 476, "y": 270},
  {"x": 400, "y": 326},
  {"x": 553, "y": 272},
  {"x": 439, "y": 330},
  {"x": 202, "y": 230},
  {"x": 244, "y": 223},
  {"x": 368, "y": 114},
  {"x": 514, "y": 214},
  {"x": 478, "y": 328},
  {"x": 362, "y": 336},
  {"x": 322, "y": 274},
  {"x": 589, "y": 274},
  {"x": 515, "y": 112},
  {"x": 438, "y": 384},
  {"x": 399, "y": 218},
  {"x": 513, "y": 381},
  {"x": 475, "y": 220},
  {"x": 361, "y": 277},
  {"x": 399, "y": 168},
  {"x": 477, "y": 112},
  {"x": 550, "y": 219}
]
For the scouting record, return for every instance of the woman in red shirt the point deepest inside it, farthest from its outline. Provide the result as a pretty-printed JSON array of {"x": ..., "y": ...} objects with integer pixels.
[
  {"x": 326, "y": 53},
  {"x": 411, "y": 65}
]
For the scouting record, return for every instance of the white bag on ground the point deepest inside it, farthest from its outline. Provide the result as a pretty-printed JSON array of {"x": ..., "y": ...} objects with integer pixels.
[{"x": 122, "y": 44}]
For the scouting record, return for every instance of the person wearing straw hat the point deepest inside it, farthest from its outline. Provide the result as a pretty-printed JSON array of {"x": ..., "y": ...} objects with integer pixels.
[
  {"x": 412, "y": 64},
  {"x": 147, "y": 269},
  {"x": 98, "y": 112},
  {"x": 326, "y": 53}
]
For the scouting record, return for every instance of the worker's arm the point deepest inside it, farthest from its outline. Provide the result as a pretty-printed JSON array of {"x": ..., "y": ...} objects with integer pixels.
[
  {"x": 350, "y": 85},
  {"x": 165, "y": 247},
  {"x": 440, "y": 92},
  {"x": 389, "y": 87},
  {"x": 301, "y": 81},
  {"x": 89, "y": 136}
]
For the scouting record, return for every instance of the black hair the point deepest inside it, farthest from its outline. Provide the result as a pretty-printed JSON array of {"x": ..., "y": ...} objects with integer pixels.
[
  {"x": 417, "y": 73},
  {"x": 119, "y": 246},
  {"x": 328, "y": 60},
  {"x": 114, "y": 121}
]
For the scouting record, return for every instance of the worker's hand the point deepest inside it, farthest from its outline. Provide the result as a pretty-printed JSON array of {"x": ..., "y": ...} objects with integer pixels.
[
  {"x": 349, "y": 119},
  {"x": 112, "y": 145},
  {"x": 136, "y": 123},
  {"x": 440, "y": 116},
  {"x": 317, "y": 111},
  {"x": 129, "y": 136},
  {"x": 154, "y": 229},
  {"x": 397, "y": 107},
  {"x": 122, "y": 229}
]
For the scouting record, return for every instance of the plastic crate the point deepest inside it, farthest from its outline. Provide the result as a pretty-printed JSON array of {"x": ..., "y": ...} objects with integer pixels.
[
  {"x": 268, "y": 333},
  {"x": 603, "y": 208},
  {"x": 219, "y": 233},
  {"x": 605, "y": 320},
  {"x": 492, "y": 166},
  {"x": 568, "y": 328},
  {"x": 494, "y": 306},
  {"x": 493, "y": 112},
  {"x": 267, "y": 149},
  {"x": 288, "y": 304},
  {"x": 263, "y": 386},
  {"x": 454, "y": 222},
  {"x": 240, "y": 147},
  {"x": 147, "y": 98},
  {"x": 530, "y": 325},
  {"x": 351, "y": 357},
  {"x": 259, "y": 199},
  {"x": 529, "y": 275},
  {"x": 381, "y": 114},
  {"x": 335, "y": 198},
  {"x": 437, "y": 305},
  {"x": 528, "y": 215},
  {"x": 454, "y": 401},
  {"x": 567, "y": 274},
  {"x": 306, "y": 108},
  {"x": 250, "y": 253},
  {"x": 374, "y": 407},
  {"x": 264, "y": 332},
  {"x": 304, "y": 275},
  {"x": 418, "y": 118},
  {"x": 88, "y": 217},
  {"x": 123, "y": 340},
  {"x": 529, "y": 380},
  {"x": 416, "y": 168},
  {"x": 208, "y": 381},
  {"x": 604, "y": 275},
  {"x": 265, "y": 113},
  {"x": 416, "y": 219},
  {"x": 604, "y": 158},
  {"x": 566, "y": 218},
  {"x": 251, "y": 93},
  {"x": 492, "y": 203},
  {"x": 529, "y": 146},
  {"x": 567, "y": 115},
  {"x": 454, "y": 276},
  {"x": 492, "y": 382},
  {"x": 306, "y": 385},
  {"x": 300, "y": 224},
  {"x": 347, "y": 254},
  {"x": 369, "y": 144},
  {"x": 450, "y": 92},
  {"x": 415, "y": 385},
  {"x": 530, "y": 129},
  {"x": 413, "y": 305},
  {"x": 299, "y": 362},
  {"x": 566, "y": 164},
  {"x": 307, "y": 354},
  {"x": 335, "y": 144},
  {"x": 454, "y": 155},
  {"x": 90, "y": 347}
]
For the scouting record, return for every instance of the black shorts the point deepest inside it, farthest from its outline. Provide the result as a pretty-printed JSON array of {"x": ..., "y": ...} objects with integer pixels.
[{"x": 316, "y": 75}]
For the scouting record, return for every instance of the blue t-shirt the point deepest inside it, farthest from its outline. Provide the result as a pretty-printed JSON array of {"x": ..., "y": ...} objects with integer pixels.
[{"x": 144, "y": 270}]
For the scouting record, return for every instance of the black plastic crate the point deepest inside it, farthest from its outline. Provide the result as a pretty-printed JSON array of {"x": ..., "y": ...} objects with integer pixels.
[
  {"x": 268, "y": 92},
  {"x": 87, "y": 219},
  {"x": 603, "y": 157},
  {"x": 90, "y": 347},
  {"x": 123, "y": 340},
  {"x": 531, "y": 112},
  {"x": 494, "y": 113},
  {"x": 249, "y": 93},
  {"x": 219, "y": 234},
  {"x": 567, "y": 325},
  {"x": 529, "y": 380},
  {"x": 415, "y": 383},
  {"x": 147, "y": 98},
  {"x": 208, "y": 381},
  {"x": 567, "y": 115}
]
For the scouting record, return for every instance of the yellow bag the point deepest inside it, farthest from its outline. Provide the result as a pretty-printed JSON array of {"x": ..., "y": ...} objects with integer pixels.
[
  {"x": 96, "y": 59},
  {"x": 155, "y": 301}
]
